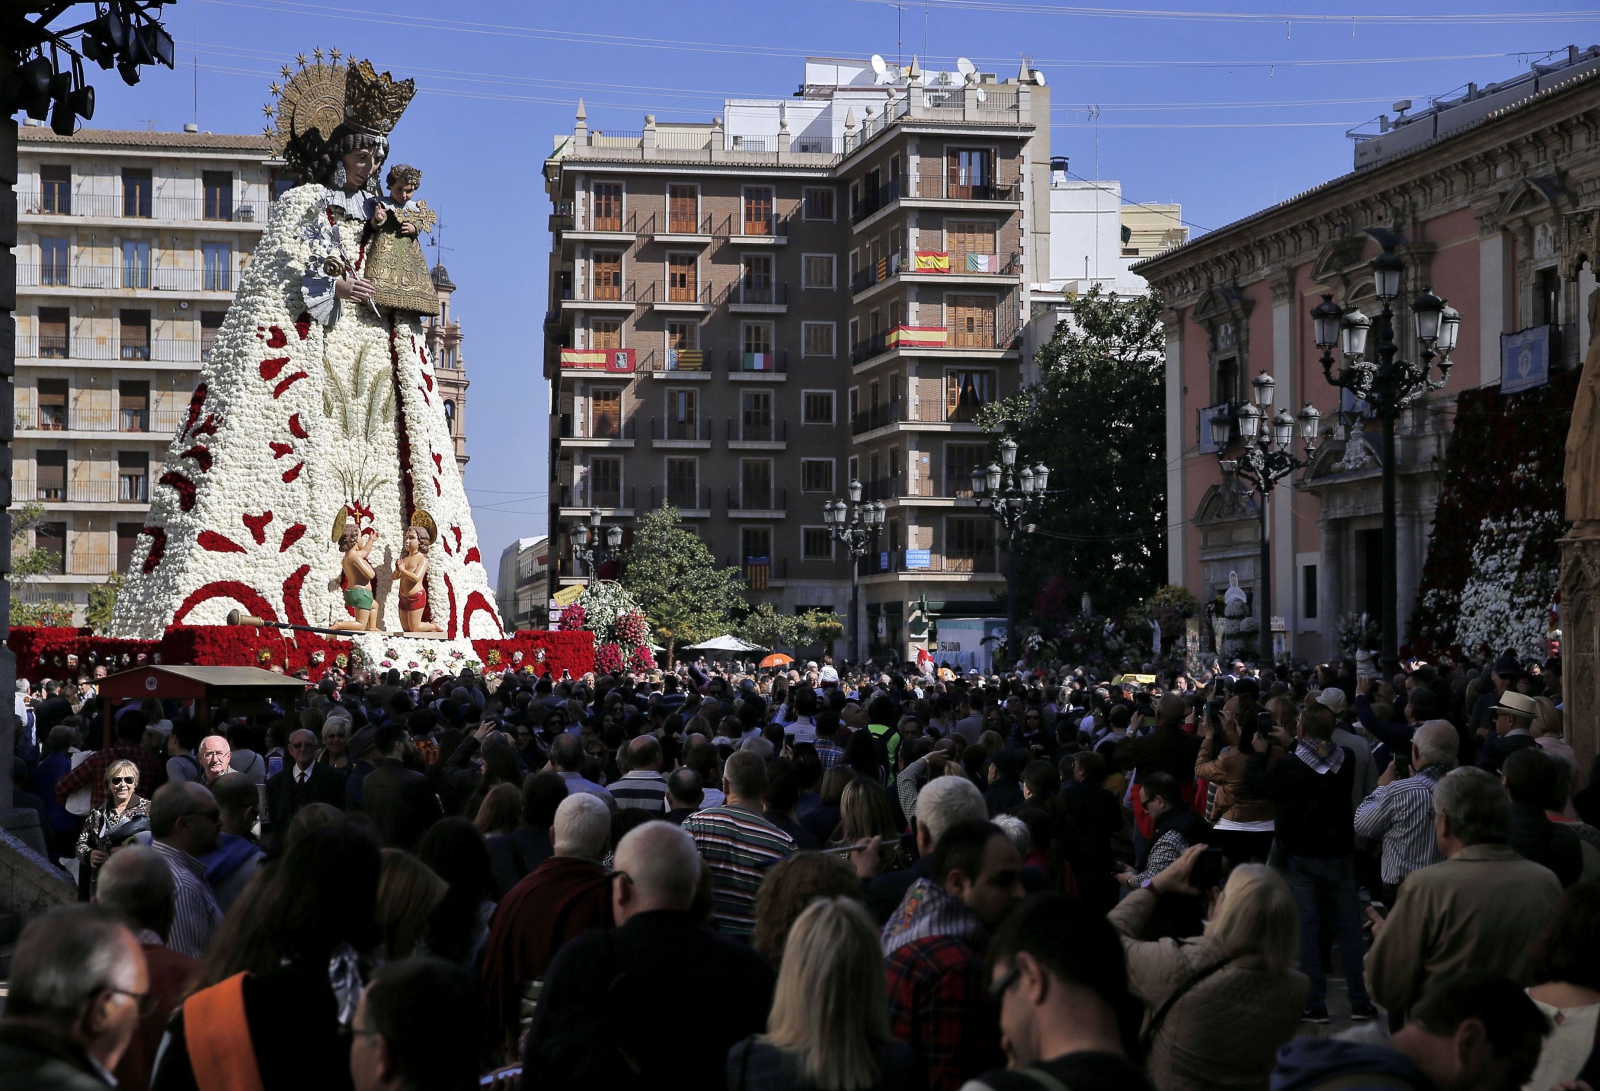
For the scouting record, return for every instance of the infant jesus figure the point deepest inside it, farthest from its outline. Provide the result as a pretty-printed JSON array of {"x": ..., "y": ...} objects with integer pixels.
[
  {"x": 412, "y": 572},
  {"x": 395, "y": 264}
]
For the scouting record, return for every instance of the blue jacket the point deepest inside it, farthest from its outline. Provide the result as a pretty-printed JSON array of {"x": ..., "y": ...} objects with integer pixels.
[{"x": 1306, "y": 1063}]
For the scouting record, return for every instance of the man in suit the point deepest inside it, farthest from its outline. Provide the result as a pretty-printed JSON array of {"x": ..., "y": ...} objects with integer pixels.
[
  {"x": 1512, "y": 717},
  {"x": 305, "y": 780},
  {"x": 401, "y": 802}
]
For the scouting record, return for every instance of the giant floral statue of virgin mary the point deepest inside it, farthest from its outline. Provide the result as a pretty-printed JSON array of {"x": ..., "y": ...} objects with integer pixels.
[{"x": 316, "y": 413}]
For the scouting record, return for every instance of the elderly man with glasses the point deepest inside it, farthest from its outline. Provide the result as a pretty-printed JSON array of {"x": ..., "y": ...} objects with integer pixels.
[{"x": 302, "y": 780}]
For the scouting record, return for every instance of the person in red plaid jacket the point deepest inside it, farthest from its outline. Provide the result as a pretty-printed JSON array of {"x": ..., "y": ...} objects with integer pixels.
[
  {"x": 91, "y": 771},
  {"x": 934, "y": 943}
]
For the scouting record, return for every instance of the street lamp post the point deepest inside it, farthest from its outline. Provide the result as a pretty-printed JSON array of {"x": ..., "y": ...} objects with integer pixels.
[
  {"x": 593, "y": 556},
  {"x": 855, "y": 527},
  {"x": 1014, "y": 497},
  {"x": 1265, "y": 460},
  {"x": 1387, "y": 384}
]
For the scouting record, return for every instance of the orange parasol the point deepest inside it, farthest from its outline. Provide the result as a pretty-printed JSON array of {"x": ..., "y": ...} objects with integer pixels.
[{"x": 777, "y": 659}]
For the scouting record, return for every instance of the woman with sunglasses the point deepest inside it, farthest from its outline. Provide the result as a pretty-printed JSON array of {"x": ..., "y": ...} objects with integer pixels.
[
  {"x": 121, "y": 805},
  {"x": 335, "y": 744}
]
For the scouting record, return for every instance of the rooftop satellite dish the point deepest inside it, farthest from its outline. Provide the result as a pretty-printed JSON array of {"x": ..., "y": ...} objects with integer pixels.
[
  {"x": 881, "y": 69},
  {"x": 981, "y": 95},
  {"x": 965, "y": 67}
]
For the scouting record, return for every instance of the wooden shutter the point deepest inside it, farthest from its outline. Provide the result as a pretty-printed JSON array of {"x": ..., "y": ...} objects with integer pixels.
[
  {"x": 972, "y": 321},
  {"x": 605, "y": 333},
  {"x": 607, "y": 273},
  {"x": 681, "y": 210},
  {"x": 605, "y": 414},
  {"x": 607, "y": 214},
  {"x": 758, "y": 211},
  {"x": 969, "y": 238},
  {"x": 681, "y": 285}
]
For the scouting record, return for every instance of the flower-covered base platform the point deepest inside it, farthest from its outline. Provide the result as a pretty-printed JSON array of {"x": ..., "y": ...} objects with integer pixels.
[{"x": 64, "y": 653}]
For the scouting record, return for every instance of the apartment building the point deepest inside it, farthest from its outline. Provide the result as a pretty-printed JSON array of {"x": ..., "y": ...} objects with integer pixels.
[
  {"x": 522, "y": 592},
  {"x": 443, "y": 333},
  {"x": 130, "y": 245},
  {"x": 748, "y": 315}
]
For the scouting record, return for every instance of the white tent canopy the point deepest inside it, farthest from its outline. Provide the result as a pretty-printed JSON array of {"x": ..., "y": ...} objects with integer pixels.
[{"x": 724, "y": 644}]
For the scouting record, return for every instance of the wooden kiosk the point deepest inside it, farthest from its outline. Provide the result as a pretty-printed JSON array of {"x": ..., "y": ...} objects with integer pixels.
[{"x": 246, "y": 689}]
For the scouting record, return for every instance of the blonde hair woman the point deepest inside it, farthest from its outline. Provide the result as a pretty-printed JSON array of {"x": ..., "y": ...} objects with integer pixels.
[
  {"x": 1217, "y": 1005},
  {"x": 121, "y": 805},
  {"x": 829, "y": 1025}
]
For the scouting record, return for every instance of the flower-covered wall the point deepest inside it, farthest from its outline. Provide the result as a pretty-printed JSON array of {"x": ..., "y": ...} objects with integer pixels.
[{"x": 1493, "y": 560}]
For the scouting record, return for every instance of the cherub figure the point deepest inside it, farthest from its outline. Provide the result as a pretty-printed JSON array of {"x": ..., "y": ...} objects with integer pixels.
[
  {"x": 412, "y": 572},
  {"x": 359, "y": 577}
]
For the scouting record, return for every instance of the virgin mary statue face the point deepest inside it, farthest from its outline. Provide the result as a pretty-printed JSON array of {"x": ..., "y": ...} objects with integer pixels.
[{"x": 359, "y": 165}]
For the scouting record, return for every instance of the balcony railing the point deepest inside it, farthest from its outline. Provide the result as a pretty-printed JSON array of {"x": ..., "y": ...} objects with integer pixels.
[
  {"x": 587, "y": 495},
  {"x": 751, "y": 362},
  {"x": 886, "y": 194},
  {"x": 876, "y": 416},
  {"x": 115, "y": 206},
  {"x": 74, "y": 492},
  {"x": 598, "y": 428},
  {"x": 878, "y": 562},
  {"x": 767, "y": 294},
  {"x": 684, "y": 499},
  {"x": 48, "y": 418},
  {"x": 991, "y": 191},
  {"x": 139, "y": 276},
  {"x": 93, "y": 562},
  {"x": 768, "y": 431},
  {"x": 670, "y": 428},
  {"x": 917, "y": 337},
  {"x": 756, "y": 499}
]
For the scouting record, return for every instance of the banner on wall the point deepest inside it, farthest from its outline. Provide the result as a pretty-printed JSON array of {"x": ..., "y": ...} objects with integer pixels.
[{"x": 1524, "y": 359}]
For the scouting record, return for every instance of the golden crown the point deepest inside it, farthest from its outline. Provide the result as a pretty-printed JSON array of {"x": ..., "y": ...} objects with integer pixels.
[{"x": 374, "y": 103}]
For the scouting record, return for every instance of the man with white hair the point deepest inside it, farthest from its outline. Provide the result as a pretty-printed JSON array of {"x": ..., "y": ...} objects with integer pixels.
[
  {"x": 562, "y": 897},
  {"x": 1400, "y": 809},
  {"x": 599, "y": 1011},
  {"x": 943, "y": 802},
  {"x": 78, "y": 980}
]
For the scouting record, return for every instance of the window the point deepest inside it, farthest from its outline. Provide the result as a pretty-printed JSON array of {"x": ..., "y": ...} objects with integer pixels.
[
  {"x": 1547, "y": 298},
  {"x": 853, "y": 468},
  {"x": 959, "y": 461},
  {"x": 683, "y": 415},
  {"x": 135, "y": 264},
  {"x": 135, "y": 335},
  {"x": 816, "y": 475},
  {"x": 605, "y": 482},
  {"x": 816, "y": 544},
  {"x": 1308, "y": 592},
  {"x": 816, "y": 338},
  {"x": 683, "y": 335},
  {"x": 607, "y": 207},
  {"x": 683, "y": 489},
  {"x": 757, "y": 338},
  {"x": 755, "y": 423},
  {"x": 971, "y": 321},
  {"x": 218, "y": 273},
  {"x": 1227, "y": 380},
  {"x": 133, "y": 475},
  {"x": 52, "y": 405},
  {"x": 755, "y": 282},
  {"x": 605, "y": 333},
  {"x": 969, "y": 545},
  {"x": 606, "y": 271},
  {"x": 53, "y": 343},
  {"x": 816, "y": 407},
  {"x": 136, "y": 188},
  {"x": 56, "y": 185},
  {"x": 817, "y": 271},
  {"x": 52, "y": 538},
  {"x": 133, "y": 400},
  {"x": 127, "y": 544},
  {"x": 605, "y": 414},
  {"x": 210, "y": 323},
  {"x": 971, "y": 247},
  {"x": 53, "y": 262},
  {"x": 450, "y": 416},
  {"x": 219, "y": 194},
  {"x": 818, "y": 203},
  {"x": 968, "y": 174},
  {"x": 966, "y": 392},
  {"x": 683, "y": 210},
  {"x": 755, "y": 545},
  {"x": 51, "y": 483},
  {"x": 682, "y": 286},
  {"x": 282, "y": 182},
  {"x": 755, "y": 484},
  {"x": 758, "y": 210}
]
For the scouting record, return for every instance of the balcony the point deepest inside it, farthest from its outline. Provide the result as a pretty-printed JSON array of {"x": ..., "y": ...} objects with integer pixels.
[
  {"x": 875, "y": 417},
  {"x": 204, "y": 210},
  {"x": 155, "y": 423},
  {"x": 72, "y": 492},
  {"x": 94, "y": 562},
  {"x": 596, "y": 432},
  {"x": 748, "y": 298},
  {"x": 940, "y": 339},
  {"x": 924, "y": 410},
  {"x": 692, "y": 503},
  {"x": 670, "y": 298},
  {"x": 756, "y": 503},
  {"x": 882, "y": 197},
  {"x": 758, "y": 367},
  {"x": 768, "y": 435},
  {"x": 932, "y": 266},
  {"x": 671, "y": 432},
  {"x": 613, "y": 499},
  {"x": 894, "y": 561},
  {"x": 122, "y": 277},
  {"x": 677, "y": 365},
  {"x": 158, "y": 349}
]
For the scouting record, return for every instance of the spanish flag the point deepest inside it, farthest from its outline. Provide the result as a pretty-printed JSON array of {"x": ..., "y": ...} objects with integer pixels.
[
  {"x": 933, "y": 261},
  {"x": 918, "y": 337},
  {"x": 585, "y": 358}
]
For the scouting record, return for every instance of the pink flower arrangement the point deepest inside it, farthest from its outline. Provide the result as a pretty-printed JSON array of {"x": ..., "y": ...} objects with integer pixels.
[{"x": 573, "y": 617}]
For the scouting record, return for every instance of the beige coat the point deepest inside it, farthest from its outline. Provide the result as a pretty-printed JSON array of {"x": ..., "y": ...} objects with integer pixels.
[
  {"x": 1224, "y": 1032},
  {"x": 1481, "y": 909}
]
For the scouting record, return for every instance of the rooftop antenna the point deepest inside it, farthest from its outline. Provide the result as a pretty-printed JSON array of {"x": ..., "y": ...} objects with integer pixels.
[{"x": 435, "y": 241}]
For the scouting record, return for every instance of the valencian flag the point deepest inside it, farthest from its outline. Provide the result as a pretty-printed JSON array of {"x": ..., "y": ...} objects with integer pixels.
[
  {"x": 685, "y": 359},
  {"x": 757, "y": 571}
]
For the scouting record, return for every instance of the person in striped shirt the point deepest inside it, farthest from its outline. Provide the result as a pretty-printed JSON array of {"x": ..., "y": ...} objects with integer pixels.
[
  {"x": 738, "y": 844},
  {"x": 1401, "y": 811},
  {"x": 642, "y": 786}
]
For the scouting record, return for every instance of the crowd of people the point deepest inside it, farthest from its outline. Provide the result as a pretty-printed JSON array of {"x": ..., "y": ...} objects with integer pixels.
[{"x": 819, "y": 879}]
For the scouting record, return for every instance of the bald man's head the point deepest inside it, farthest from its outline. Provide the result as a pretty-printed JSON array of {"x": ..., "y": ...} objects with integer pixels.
[
  {"x": 645, "y": 753},
  {"x": 662, "y": 868}
]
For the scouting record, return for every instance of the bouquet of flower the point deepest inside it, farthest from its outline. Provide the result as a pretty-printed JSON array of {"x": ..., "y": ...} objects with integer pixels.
[
  {"x": 631, "y": 629},
  {"x": 642, "y": 659},
  {"x": 573, "y": 617},
  {"x": 608, "y": 658}
]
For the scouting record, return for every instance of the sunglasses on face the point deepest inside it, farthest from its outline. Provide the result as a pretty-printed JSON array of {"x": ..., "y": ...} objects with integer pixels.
[{"x": 124, "y": 780}]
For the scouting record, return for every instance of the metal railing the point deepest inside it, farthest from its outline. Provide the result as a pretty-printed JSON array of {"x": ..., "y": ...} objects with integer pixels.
[
  {"x": 603, "y": 428},
  {"x": 877, "y": 416},
  {"x": 139, "y": 276},
  {"x": 48, "y": 418},
  {"x": 208, "y": 209},
  {"x": 586, "y": 495},
  {"x": 670, "y": 428},
  {"x": 878, "y": 562},
  {"x": 159, "y": 349},
  {"x": 885, "y": 195},
  {"x": 878, "y": 343},
  {"x": 767, "y": 294},
  {"x": 93, "y": 562},
  {"x": 768, "y": 431},
  {"x": 686, "y": 499},
  {"x": 746, "y": 498},
  {"x": 753, "y": 362},
  {"x": 75, "y": 492}
]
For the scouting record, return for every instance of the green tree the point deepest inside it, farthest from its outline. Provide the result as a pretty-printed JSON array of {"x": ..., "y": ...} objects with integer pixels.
[
  {"x": 102, "y": 602},
  {"x": 1096, "y": 418},
  {"x": 675, "y": 579},
  {"x": 28, "y": 563}
]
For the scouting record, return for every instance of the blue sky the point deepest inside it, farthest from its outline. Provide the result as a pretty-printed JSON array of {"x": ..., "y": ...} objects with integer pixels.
[{"x": 1223, "y": 106}]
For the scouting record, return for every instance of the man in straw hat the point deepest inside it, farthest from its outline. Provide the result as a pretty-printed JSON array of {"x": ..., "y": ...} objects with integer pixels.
[{"x": 1512, "y": 715}]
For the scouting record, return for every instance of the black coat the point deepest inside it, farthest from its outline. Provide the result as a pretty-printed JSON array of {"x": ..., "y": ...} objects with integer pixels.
[
  {"x": 286, "y": 795},
  {"x": 35, "y": 1059},
  {"x": 1315, "y": 815},
  {"x": 401, "y": 802}
]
